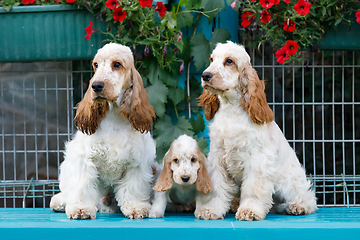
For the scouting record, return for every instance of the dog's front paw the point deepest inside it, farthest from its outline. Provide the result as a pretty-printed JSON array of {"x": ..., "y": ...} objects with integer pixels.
[
  {"x": 295, "y": 209},
  {"x": 136, "y": 210},
  {"x": 156, "y": 214},
  {"x": 76, "y": 211},
  {"x": 207, "y": 213},
  {"x": 57, "y": 203},
  {"x": 248, "y": 215}
]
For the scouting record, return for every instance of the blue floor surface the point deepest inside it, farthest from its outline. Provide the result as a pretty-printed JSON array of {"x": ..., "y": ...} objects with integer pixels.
[{"x": 325, "y": 223}]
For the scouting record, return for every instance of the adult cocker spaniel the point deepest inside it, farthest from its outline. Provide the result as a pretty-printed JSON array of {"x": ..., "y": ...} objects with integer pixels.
[
  {"x": 183, "y": 175},
  {"x": 112, "y": 154},
  {"x": 249, "y": 156}
]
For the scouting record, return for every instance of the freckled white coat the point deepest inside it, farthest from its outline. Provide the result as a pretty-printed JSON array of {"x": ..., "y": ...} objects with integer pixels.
[
  {"x": 249, "y": 155},
  {"x": 113, "y": 152}
]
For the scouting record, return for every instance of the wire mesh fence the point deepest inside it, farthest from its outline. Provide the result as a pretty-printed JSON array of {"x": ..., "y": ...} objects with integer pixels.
[{"x": 314, "y": 104}]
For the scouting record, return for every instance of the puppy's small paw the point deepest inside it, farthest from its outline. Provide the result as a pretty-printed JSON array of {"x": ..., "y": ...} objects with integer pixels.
[
  {"x": 207, "y": 214},
  {"x": 295, "y": 209},
  {"x": 155, "y": 214},
  {"x": 80, "y": 212},
  {"x": 136, "y": 211},
  {"x": 247, "y": 215}
]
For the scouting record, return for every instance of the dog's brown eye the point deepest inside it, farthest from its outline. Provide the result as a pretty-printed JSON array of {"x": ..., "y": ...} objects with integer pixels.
[
  {"x": 211, "y": 59},
  {"x": 193, "y": 160},
  {"x": 229, "y": 62},
  {"x": 95, "y": 65},
  {"x": 117, "y": 65},
  {"x": 176, "y": 160}
]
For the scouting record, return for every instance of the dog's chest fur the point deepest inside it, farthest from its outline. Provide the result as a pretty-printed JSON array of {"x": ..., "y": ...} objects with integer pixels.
[
  {"x": 233, "y": 137},
  {"x": 113, "y": 152}
]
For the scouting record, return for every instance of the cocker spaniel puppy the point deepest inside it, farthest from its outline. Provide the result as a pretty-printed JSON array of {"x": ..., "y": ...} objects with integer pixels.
[
  {"x": 183, "y": 175},
  {"x": 249, "y": 156},
  {"x": 112, "y": 154}
]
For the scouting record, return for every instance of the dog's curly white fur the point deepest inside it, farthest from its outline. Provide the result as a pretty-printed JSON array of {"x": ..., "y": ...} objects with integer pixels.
[
  {"x": 183, "y": 174},
  {"x": 249, "y": 154},
  {"x": 112, "y": 153}
]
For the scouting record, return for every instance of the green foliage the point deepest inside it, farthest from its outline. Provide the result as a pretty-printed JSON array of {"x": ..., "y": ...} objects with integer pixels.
[
  {"x": 160, "y": 47},
  {"x": 202, "y": 48}
]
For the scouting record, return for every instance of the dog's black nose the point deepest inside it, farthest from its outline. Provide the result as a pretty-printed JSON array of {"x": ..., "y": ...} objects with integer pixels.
[
  {"x": 206, "y": 76},
  {"x": 185, "y": 179},
  {"x": 97, "y": 86}
]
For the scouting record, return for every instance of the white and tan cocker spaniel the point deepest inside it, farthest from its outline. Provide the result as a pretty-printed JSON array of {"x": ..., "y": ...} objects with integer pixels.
[
  {"x": 112, "y": 153},
  {"x": 183, "y": 175},
  {"x": 249, "y": 156}
]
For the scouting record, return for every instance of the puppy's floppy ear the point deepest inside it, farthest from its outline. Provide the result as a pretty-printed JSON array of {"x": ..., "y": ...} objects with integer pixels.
[
  {"x": 165, "y": 180},
  {"x": 210, "y": 102},
  {"x": 135, "y": 105},
  {"x": 89, "y": 113},
  {"x": 253, "y": 97},
  {"x": 203, "y": 181}
]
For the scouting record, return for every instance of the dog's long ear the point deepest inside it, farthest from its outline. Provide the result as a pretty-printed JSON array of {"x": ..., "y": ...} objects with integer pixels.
[
  {"x": 210, "y": 102},
  {"x": 203, "y": 181},
  {"x": 89, "y": 113},
  {"x": 253, "y": 97},
  {"x": 165, "y": 180},
  {"x": 135, "y": 105}
]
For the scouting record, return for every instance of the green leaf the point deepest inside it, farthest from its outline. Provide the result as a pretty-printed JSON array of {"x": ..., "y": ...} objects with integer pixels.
[
  {"x": 201, "y": 141},
  {"x": 180, "y": 45},
  {"x": 212, "y": 7},
  {"x": 193, "y": 4},
  {"x": 323, "y": 11},
  {"x": 165, "y": 131},
  {"x": 169, "y": 20},
  {"x": 176, "y": 95},
  {"x": 220, "y": 35},
  {"x": 338, "y": 21},
  {"x": 201, "y": 50},
  {"x": 184, "y": 19},
  {"x": 198, "y": 124},
  {"x": 157, "y": 94},
  {"x": 155, "y": 72}
]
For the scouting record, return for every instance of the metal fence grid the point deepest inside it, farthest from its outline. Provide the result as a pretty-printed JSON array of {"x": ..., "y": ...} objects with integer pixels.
[{"x": 315, "y": 106}]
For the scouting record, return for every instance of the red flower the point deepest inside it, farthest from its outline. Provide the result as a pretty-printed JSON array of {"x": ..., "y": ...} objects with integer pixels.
[
  {"x": 277, "y": 2},
  {"x": 111, "y": 4},
  {"x": 265, "y": 16},
  {"x": 358, "y": 17},
  {"x": 291, "y": 47},
  {"x": 70, "y": 1},
  {"x": 119, "y": 15},
  {"x": 281, "y": 56},
  {"x": 27, "y": 2},
  {"x": 145, "y": 3},
  {"x": 246, "y": 18},
  {"x": 287, "y": 1},
  {"x": 302, "y": 7},
  {"x": 57, "y": 1},
  {"x": 89, "y": 30},
  {"x": 289, "y": 25},
  {"x": 161, "y": 9},
  {"x": 267, "y": 3}
]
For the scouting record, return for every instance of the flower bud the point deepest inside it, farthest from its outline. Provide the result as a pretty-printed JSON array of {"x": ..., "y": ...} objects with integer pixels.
[
  {"x": 182, "y": 66},
  {"x": 146, "y": 51}
]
